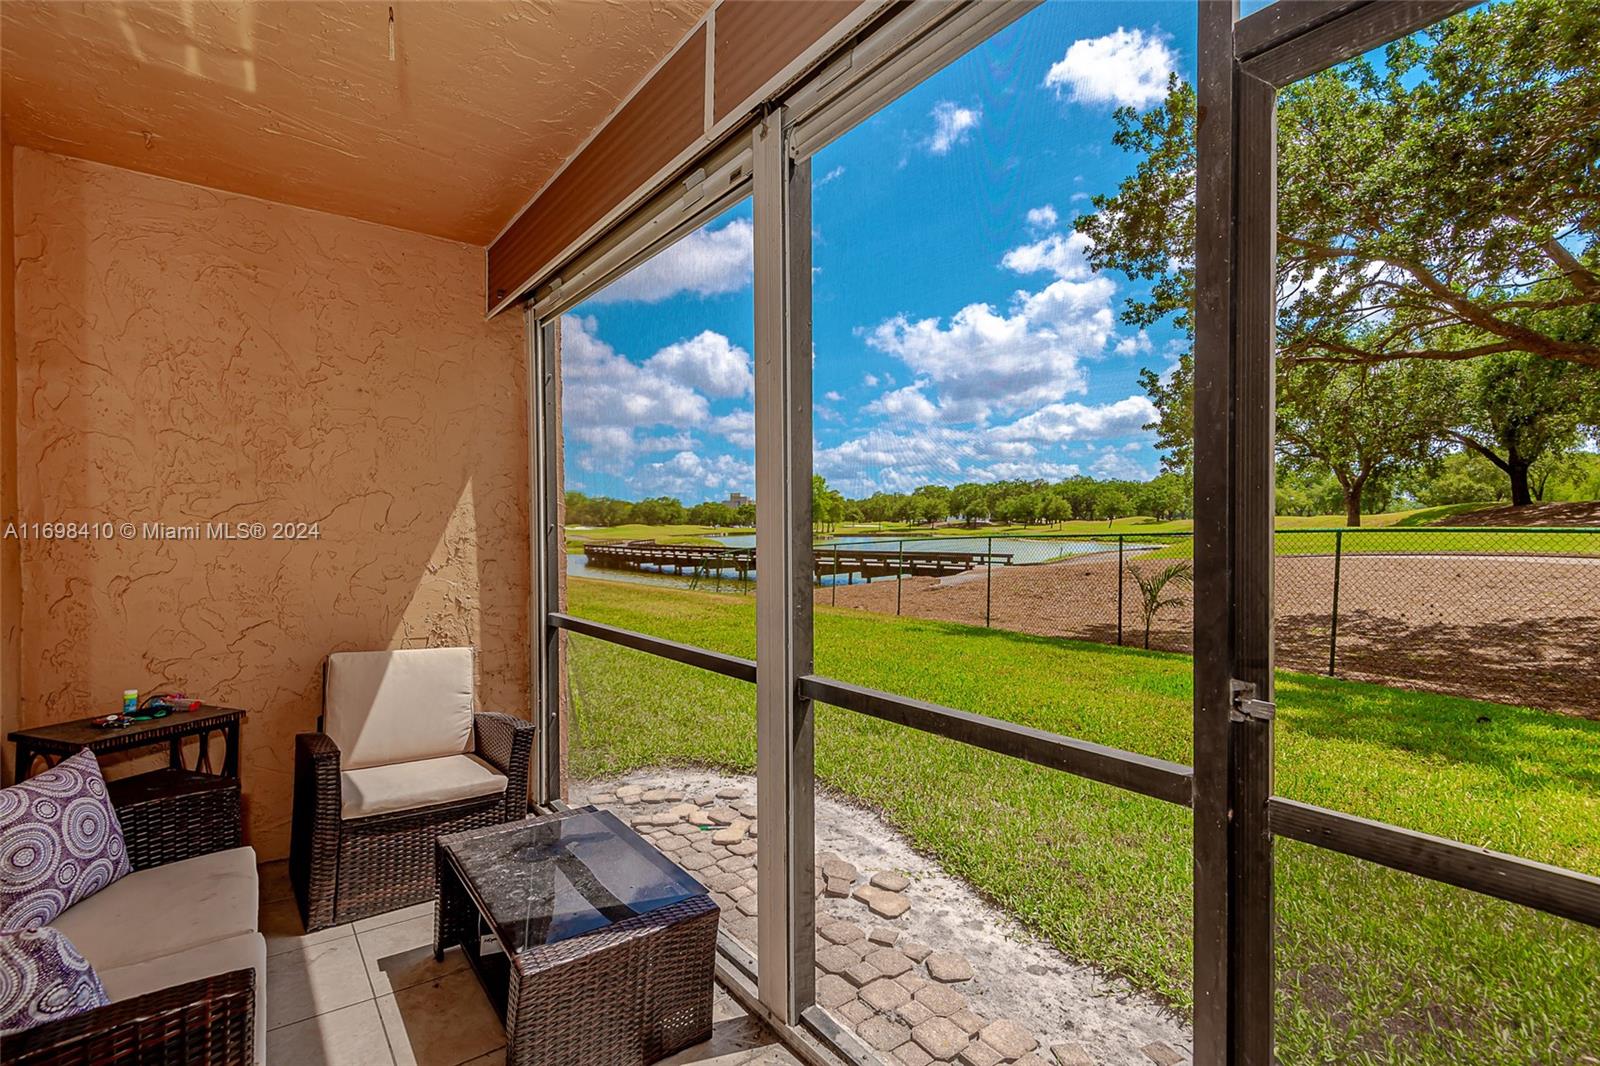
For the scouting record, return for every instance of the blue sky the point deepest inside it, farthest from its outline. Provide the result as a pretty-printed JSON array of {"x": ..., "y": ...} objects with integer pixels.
[{"x": 959, "y": 333}]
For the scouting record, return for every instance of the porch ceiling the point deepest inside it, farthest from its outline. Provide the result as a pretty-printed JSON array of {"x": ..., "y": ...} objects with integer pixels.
[{"x": 302, "y": 103}]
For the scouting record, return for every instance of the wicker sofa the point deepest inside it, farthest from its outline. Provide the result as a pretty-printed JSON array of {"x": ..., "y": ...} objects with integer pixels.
[
  {"x": 402, "y": 757},
  {"x": 177, "y": 945}
]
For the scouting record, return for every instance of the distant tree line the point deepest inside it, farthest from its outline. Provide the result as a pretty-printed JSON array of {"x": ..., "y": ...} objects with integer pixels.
[{"x": 606, "y": 511}]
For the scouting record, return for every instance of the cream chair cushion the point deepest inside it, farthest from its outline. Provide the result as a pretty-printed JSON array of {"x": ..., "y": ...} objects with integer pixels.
[
  {"x": 385, "y": 707},
  {"x": 243, "y": 952},
  {"x": 165, "y": 909},
  {"x": 408, "y": 786}
]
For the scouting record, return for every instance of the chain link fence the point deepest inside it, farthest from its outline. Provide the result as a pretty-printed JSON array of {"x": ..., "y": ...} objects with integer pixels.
[{"x": 1509, "y": 615}]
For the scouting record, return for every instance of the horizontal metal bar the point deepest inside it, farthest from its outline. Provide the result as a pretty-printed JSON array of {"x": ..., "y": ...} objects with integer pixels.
[
  {"x": 1552, "y": 889},
  {"x": 1164, "y": 780},
  {"x": 705, "y": 659},
  {"x": 1330, "y": 42},
  {"x": 1278, "y": 23}
]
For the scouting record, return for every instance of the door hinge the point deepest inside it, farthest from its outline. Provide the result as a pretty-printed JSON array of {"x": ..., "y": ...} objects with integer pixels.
[{"x": 1246, "y": 708}]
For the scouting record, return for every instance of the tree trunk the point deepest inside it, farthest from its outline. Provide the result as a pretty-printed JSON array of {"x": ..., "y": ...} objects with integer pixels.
[
  {"x": 1520, "y": 494},
  {"x": 1352, "y": 507}
]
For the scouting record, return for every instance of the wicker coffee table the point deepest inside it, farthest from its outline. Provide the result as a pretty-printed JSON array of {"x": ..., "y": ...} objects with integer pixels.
[{"x": 594, "y": 947}]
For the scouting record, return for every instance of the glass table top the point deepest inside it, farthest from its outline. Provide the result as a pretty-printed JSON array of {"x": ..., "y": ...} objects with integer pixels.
[{"x": 553, "y": 878}]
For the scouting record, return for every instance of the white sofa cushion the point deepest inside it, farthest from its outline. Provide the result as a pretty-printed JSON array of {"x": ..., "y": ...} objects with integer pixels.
[
  {"x": 385, "y": 707},
  {"x": 245, "y": 951},
  {"x": 165, "y": 909},
  {"x": 408, "y": 786}
]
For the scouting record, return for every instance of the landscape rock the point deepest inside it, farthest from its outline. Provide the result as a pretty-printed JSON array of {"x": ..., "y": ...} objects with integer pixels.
[
  {"x": 882, "y": 934},
  {"x": 1071, "y": 1055},
  {"x": 730, "y": 793},
  {"x": 882, "y": 1033},
  {"x": 654, "y": 795},
  {"x": 834, "y": 991},
  {"x": 835, "y": 869},
  {"x": 948, "y": 967},
  {"x": 916, "y": 952},
  {"x": 891, "y": 881},
  {"x": 883, "y": 995},
  {"x": 722, "y": 815},
  {"x": 939, "y": 1038},
  {"x": 1162, "y": 1054},
  {"x": 941, "y": 999},
  {"x": 883, "y": 904},
  {"x": 889, "y": 962},
  {"x": 978, "y": 1053},
  {"x": 840, "y": 932},
  {"x": 1008, "y": 1038}
]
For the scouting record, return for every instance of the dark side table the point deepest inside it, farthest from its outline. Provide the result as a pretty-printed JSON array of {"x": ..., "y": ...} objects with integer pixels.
[
  {"x": 594, "y": 947},
  {"x": 178, "y": 801}
]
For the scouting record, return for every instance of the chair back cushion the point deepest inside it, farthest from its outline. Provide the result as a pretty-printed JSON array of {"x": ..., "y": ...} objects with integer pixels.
[
  {"x": 385, "y": 707},
  {"x": 45, "y": 979},
  {"x": 60, "y": 842}
]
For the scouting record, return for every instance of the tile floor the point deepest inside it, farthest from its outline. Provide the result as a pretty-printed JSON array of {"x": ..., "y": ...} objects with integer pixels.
[{"x": 371, "y": 994}]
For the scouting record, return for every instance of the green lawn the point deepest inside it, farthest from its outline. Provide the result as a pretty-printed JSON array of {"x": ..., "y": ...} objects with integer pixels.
[
  {"x": 1374, "y": 966},
  {"x": 679, "y": 534}
]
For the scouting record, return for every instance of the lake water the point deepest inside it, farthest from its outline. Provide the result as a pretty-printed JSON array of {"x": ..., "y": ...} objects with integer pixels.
[{"x": 1022, "y": 550}]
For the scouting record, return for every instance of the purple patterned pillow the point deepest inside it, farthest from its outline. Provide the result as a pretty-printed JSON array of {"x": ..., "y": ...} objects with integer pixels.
[
  {"x": 59, "y": 842},
  {"x": 43, "y": 978}
]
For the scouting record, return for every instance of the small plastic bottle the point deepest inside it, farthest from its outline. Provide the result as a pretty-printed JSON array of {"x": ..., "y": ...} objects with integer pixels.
[{"x": 130, "y": 700}]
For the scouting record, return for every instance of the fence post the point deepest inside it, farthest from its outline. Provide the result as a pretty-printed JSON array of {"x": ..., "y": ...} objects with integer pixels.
[
  {"x": 988, "y": 582},
  {"x": 899, "y": 575},
  {"x": 1119, "y": 590},
  {"x": 1333, "y": 623},
  {"x": 834, "y": 600}
]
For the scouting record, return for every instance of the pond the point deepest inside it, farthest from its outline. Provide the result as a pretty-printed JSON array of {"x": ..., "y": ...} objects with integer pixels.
[{"x": 1023, "y": 550}]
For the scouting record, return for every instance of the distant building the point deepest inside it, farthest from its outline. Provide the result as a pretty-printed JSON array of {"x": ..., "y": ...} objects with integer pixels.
[{"x": 737, "y": 500}]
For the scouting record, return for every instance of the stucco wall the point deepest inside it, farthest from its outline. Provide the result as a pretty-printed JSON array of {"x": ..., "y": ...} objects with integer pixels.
[{"x": 188, "y": 356}]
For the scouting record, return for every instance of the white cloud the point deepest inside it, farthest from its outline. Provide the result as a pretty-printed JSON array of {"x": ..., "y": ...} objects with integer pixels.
[
  {"x": 884, "y": 458},
  {"x": 1115, "y": 464},
  {"x": 1058, "y": 423},
  {"x": 1125, "y": 68},
  {"x": 833, "y": 175},
  {"x": 907, "y": 404},
  {"x": 1043, "y": 217},
  {"x": 833, "y": 396},
  {"x": 708, "y": 362},
  {"x": 952, "y": 125},
  {"x": 1138, "y": 344},
  {"x": 870, "y": 380},
  {"x": 737, "y": 428},
  {"x": 985, "y": 362},
  {"x": 1065, "y": 257},
  {"x": 606, "y": 396},
  {"x": 707, "y": 262},
  {"x": 688, "y": 474}
]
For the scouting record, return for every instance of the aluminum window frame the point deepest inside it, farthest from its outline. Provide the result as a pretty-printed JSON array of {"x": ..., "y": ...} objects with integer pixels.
[{"x": 1242, "y": 64}]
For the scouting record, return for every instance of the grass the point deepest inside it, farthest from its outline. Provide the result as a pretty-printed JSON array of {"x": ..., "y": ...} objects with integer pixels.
[{"x": 1374, "y": 966}]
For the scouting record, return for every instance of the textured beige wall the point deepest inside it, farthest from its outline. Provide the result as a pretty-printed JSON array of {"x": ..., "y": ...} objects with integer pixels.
[
  {"x": 10, "y": 550},
  {"x": 186, "y": 356}
]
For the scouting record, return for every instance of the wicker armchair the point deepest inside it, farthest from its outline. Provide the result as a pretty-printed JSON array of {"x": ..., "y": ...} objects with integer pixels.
[
  {"x": 211, "y": 1020},
  {"x": 403, "y": 758}
]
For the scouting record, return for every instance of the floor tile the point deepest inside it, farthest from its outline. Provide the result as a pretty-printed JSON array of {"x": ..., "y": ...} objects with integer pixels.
[
  {"x": 378, "y": 921},
  {"x": 349, "y": 1036},
  {"x": 314, "y": 979},
  {"x": 281, "y": 925},
  {"x": 734, "y": 1041},
  {"x": 401, "y": 955},
  {"x": 443, "y": 1022},
  {"x": 274, "y": 881}
]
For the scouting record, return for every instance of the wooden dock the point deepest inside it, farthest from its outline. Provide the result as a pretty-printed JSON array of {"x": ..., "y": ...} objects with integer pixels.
[{"x": 851, "y": 562}]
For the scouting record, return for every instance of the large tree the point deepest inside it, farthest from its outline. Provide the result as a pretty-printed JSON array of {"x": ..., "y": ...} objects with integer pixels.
[
  {"x": 1442, "y": 205},
  {"x": 1363, "y": 424},
  {"x": 1453, "y": 189},
  {"x": 1519, "y": 409}
]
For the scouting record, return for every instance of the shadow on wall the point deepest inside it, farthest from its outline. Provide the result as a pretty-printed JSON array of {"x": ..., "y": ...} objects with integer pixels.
[{"x": 192, "y": 361}]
